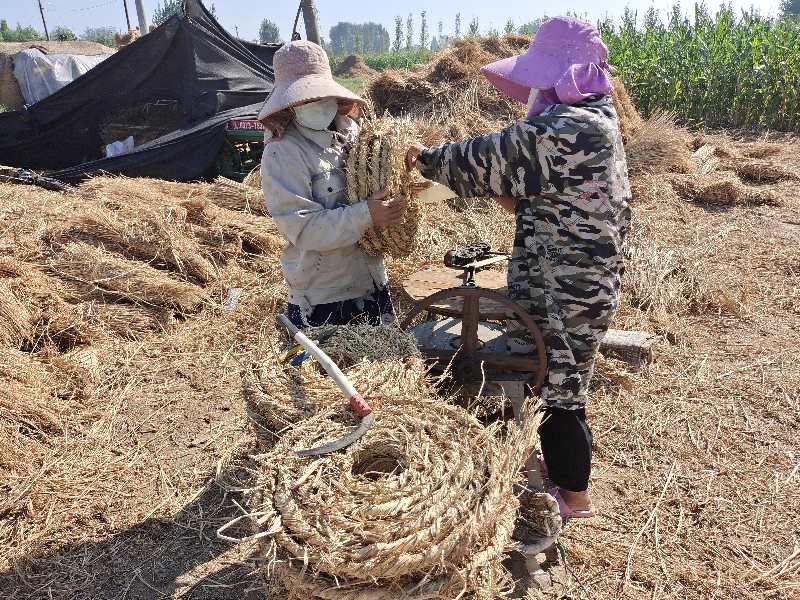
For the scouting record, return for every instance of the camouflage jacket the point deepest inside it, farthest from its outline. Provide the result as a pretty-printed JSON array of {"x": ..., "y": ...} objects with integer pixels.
[{"x": 565, "y": 167}]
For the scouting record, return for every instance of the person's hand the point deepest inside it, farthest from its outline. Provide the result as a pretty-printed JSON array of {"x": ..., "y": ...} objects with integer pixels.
[
  {"x": 385, "y": 212},
  {"x": 412, "y": 154}
]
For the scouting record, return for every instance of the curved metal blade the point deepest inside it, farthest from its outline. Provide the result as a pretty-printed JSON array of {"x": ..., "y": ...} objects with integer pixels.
[{"x": 342, "y": 442}]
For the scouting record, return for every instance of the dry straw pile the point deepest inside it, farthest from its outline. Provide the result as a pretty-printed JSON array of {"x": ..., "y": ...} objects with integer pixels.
[
  {"x": 349, "y": 344},
  {"x": 377, "y": 162},
  {"x": 382, "y": 362},
  {"x": 422, "y": 507},
  {"x": 451, "y": 83}
]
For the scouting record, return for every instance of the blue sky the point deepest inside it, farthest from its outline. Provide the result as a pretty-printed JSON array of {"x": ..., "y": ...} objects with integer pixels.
[{"x": 247, "y": 14}]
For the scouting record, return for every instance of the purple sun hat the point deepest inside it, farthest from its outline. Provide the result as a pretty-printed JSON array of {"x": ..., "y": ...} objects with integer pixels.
[{"x": 566, "y": 55}]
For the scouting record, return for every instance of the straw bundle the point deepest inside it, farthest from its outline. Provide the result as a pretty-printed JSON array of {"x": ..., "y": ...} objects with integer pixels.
[
  {"x": 15, "y": 320},
  {"x": 238, "y": 196},
  {"x": 117, "y": 193},
  {"x": 376, "y": 162},
  {"x": 658, "y": 145},
  {"x": 128, "y": 321},
  {"x": 423, "y": 506},
  {"x": 629, "y": 118},
  {"x": 762, "y": 171},
  {"x": 721, "y": 187},
  {"x": 354, "y": 66},
  {"x": 431, "y": 88},
  {"x": 127, "y": 279},
  {"x": 123, "y": 39},
  {"x": 140, "y": 232},
  {"x": 253, "y": 179},
  {"x": 61, "y": 327},
  {"x": 762, "y": 150},
  {"x": 232, "y": 231}
]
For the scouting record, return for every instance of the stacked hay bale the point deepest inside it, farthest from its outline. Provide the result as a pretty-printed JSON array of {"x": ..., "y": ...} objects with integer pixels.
[
  {"x": 452, "y": 72},
  {"x": 377, "y": 162},
  {"x": 423, "y": 506},
  {"x": 354, "y": 66}
]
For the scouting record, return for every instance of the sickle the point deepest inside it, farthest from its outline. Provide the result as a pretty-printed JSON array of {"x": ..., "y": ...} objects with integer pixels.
[{"x": 357, "y": 403}]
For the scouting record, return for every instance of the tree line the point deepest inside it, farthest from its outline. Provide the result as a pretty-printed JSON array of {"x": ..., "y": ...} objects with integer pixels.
[
  {"x": 372, "y": 38},
  {"x": 102, "y": 35}
]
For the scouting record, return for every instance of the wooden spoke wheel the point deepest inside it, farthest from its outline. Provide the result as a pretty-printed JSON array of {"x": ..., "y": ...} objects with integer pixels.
[{"x": 470, "y": 357}]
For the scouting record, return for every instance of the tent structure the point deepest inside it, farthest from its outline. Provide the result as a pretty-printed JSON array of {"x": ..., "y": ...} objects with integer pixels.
[{"x": 173, "y": 90}]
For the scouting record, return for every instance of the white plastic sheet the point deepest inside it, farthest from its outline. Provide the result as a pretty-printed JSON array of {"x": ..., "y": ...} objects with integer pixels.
[
  {"x": 120, "y": 147},
  {"x": 40, "y": 75}
]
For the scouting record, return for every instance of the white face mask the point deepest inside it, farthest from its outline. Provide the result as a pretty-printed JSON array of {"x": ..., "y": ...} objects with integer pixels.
[
  {"x": 532, "y": 97},
  {"x": 318, "y": 114}
]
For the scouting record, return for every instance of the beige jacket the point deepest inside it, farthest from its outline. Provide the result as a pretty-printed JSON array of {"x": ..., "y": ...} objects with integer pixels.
[{"x": 305, "y": 190}]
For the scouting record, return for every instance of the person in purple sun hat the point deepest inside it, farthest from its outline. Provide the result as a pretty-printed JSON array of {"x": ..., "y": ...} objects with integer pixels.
[{"x": 562, "y": 171}]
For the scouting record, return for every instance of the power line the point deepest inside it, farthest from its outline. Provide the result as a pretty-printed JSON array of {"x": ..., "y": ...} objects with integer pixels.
[{"x": 82, "y": 9}]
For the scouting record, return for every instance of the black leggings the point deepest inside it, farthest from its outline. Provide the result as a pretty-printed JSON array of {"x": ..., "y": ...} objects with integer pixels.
[{"x": 567, "y": 447}]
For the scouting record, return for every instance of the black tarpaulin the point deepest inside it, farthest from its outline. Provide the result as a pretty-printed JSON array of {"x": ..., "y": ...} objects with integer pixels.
[{"x": 178, "y": 84}]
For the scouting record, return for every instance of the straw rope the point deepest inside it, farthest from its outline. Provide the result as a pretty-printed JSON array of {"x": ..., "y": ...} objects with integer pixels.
[
  {"x": 422, "y": 506},
  {"x": 377, "y": 161}
]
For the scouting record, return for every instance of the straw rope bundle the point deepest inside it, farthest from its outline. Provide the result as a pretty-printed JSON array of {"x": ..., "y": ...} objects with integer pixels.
[
  {"x": 127, "y": 279},
  {"x": 423, "y": 506},
  {"x": 376, "y": 162}
]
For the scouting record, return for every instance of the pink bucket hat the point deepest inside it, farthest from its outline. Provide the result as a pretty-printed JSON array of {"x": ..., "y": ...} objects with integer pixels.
[
  {"x": 302, "y": 73},
  {"x": 566, "y": 55}
]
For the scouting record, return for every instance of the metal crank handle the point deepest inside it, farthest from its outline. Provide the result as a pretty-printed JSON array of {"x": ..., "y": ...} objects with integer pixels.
[{"x": 357, "y": 403}]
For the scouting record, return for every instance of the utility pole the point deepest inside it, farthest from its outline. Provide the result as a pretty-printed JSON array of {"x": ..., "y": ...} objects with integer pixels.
[
  {"x": 142, "y": 17},
  {"x": 127, "y": 16},
  {"x": 44, "y": 22},
  {"x": 310, "y": 20}
]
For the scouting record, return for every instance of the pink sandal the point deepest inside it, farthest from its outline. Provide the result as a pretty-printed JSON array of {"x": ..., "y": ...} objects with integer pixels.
[{"x": 564, "y": 508}]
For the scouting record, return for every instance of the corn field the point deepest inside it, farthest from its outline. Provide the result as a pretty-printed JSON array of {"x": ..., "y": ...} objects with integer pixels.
[{"x": 712, "y": 70}]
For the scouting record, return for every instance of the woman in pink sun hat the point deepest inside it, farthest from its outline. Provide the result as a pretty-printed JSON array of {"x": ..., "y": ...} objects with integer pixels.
[
  {"x": 562, "y": 171},
  {"x": 311, "y": 123}
]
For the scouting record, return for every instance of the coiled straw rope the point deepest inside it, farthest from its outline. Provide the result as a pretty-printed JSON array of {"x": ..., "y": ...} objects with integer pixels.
[
  {"x": 377, "y": 161},
  {"x": 423, "y": 506}
]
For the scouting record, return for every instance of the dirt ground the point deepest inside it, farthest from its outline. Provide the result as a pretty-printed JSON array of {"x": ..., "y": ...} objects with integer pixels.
[{"x": 696, "y": 459}]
